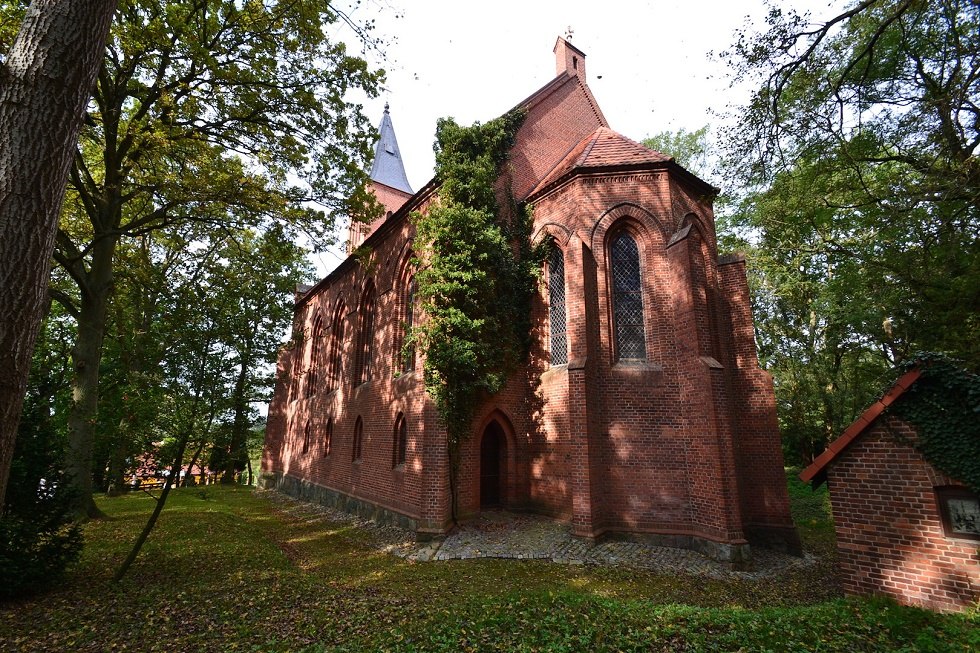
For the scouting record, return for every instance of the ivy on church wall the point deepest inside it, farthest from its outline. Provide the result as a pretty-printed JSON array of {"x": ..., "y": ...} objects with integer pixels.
[
  {"x": 477, "y": 272},
  {"x": 944, "y": 406}
]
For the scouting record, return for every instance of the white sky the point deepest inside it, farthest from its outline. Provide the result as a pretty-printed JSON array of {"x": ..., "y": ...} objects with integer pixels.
[{"x": 648, "y": 63}]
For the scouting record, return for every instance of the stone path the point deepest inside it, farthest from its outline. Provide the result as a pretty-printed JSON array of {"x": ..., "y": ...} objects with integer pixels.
[{"x": 499, "y": 534}]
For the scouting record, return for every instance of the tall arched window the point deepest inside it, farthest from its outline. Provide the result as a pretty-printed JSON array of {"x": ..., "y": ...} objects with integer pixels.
[
  {"x": 306, "y": 437},
  {"x": 336, "y": 349},
  {"x": 407, "y": 354},
  {"x": 365, "y": 340},
  {"x": 316, "y": 354},
  {"x": 401, "y": 441},
  {"x": 556, "y": 307},
  {"x": 627, "y": 298},
  {"x": 327, "y": 438},
  {"x": 358, "y": 436}
]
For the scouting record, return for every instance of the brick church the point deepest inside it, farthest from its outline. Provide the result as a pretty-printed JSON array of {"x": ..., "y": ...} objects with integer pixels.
[{"x": 642, "y": 410}]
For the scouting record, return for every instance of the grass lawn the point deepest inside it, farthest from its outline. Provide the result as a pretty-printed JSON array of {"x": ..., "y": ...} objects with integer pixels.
[{"x": 228, "y": 570}]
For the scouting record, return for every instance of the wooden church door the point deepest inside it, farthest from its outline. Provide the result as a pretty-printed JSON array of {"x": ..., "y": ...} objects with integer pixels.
[{"x": 492, "y": 450}]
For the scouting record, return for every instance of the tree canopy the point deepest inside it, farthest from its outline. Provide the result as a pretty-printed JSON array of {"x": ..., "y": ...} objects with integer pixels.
[
  {"x": 858, "y": 197},
  {"x": 219, "y": 113}
]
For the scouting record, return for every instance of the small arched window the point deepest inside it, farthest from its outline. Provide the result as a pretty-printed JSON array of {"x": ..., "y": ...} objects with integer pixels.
[
  {"x": 327, "y": 438},
  {"x": 316, "y": 354},
  {"x": 401, "y": 441},
  {"x": 407, "y": 353},
  {"x": 336, "y": 349},
  {"x": 306, "y": 437},
  {"x": 358, "y": 436},
  {"x": 365, "y": 340},
  {"x": 556, "y": 307},
  {"x": 627, "y": 298}
]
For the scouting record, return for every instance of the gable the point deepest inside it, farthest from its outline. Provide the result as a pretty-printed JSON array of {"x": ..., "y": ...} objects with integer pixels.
[
  {"x": 817, "y": 471},
  {"x": 559, "y": 116}
]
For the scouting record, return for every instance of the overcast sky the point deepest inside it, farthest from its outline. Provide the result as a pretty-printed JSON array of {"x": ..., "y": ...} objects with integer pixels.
[{"x": 648, "y": 63}]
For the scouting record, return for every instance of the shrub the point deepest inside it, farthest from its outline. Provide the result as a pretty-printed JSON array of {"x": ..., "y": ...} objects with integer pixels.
[{"x": 38, "y": 539}]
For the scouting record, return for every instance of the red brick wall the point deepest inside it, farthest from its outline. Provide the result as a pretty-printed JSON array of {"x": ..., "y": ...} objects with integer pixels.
[{"x": 889, "y": 532}]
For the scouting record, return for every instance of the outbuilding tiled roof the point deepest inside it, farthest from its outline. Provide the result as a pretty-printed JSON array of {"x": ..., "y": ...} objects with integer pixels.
[{"x": 817, "y": 471}]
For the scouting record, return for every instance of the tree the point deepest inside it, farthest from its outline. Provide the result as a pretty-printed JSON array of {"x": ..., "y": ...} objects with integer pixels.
[
  {"x": 38, "y": 538},
  {"x": 865, "y": 127},
  {"x": 689, "y": 149},
  {"x": 222, "y": 306},
  {"x": 45, "y": 81},
  {"x": 214, "y": 112},
  {"x": 861, "y": 200}
]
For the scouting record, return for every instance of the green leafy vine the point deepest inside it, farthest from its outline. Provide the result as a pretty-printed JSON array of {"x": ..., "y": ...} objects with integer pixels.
[
  {"x": 944, "y": 407},
  {"x": 477, "y": 272}
]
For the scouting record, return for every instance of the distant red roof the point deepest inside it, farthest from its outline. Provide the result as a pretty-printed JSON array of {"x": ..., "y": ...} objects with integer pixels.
[{"x": 816, "y": 472}]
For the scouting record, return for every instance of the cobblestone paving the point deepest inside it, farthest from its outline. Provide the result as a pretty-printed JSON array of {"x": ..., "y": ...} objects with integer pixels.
[{"x": 531, "y": 537}]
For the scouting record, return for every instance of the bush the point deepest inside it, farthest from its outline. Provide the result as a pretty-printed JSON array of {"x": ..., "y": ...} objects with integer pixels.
[{"x": 38, "y": 539}]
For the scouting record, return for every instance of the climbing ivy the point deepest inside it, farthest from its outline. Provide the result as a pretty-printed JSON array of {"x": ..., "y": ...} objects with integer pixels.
[
  {"x": 477, "y": 271},
  {"x": 944, "y": 407}
]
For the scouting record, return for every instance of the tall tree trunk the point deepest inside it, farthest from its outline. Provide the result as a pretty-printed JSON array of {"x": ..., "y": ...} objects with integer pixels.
[
  {"x": 87, "y": 357},
  {"x": 45, "y": 83},
  {"x": 190, "y": 466},
  {"x": 237, "y": 449}
]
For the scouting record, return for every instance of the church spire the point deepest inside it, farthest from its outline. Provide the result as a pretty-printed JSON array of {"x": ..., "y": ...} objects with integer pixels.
[{"x": 388, "y": 168}]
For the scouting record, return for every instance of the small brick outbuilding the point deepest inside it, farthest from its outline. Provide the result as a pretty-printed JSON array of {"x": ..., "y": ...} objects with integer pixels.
[{"x": 904, "y": 528}]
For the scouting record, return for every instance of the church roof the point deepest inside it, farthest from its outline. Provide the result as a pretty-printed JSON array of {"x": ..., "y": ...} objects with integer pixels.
[
  {"x": 602, "y": 149},
  {"x": 388, "y": 168}
]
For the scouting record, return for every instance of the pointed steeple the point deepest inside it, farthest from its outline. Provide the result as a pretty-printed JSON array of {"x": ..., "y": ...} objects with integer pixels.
[{"x": 388, "y": 168}]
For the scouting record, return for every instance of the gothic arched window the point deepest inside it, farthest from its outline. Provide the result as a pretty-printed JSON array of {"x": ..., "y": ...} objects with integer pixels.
[
  {"x": 556, "y": 307},
  {"x": 336, "y": 349},
  {"x": 407, "y": 354},
  {"x": 401, "y": 440},
  {"x": 316, "y": 353},
  {"x": 306, "y": 437},
  {"x": 627, "y": 298},
  {"x": 365, "y": 340},
  {"x": 358, "y": 436}
]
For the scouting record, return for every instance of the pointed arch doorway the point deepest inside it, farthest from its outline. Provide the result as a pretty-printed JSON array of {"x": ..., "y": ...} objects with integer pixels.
[{"x": 493, "y": 456}]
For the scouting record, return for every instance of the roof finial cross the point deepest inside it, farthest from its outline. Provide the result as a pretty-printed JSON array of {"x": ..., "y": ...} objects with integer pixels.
[{"x": 568, "y": 33}]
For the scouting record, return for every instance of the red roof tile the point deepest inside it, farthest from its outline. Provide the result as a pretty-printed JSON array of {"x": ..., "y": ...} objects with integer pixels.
[
  {"x": 603, "y": 148},
  {"x": 816, "y": 471}
]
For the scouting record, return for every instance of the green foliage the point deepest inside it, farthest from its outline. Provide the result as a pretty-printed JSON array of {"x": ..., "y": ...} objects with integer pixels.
[
  {"x": 38, "y": 539},
  {"x": 944, "y": 406},
  {"x": 860, "y": 203},
  {"x": 477, "y": 273},
  {"x": 689, "y": 149},
  {"x": 234, "y": 571},
  {"x": 811, "y": 512}
]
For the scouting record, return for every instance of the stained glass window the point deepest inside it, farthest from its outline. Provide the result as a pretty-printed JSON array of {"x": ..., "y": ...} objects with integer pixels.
[
  {"x": 556, "y": 307},
  {"x": 627, "y": 298}
]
